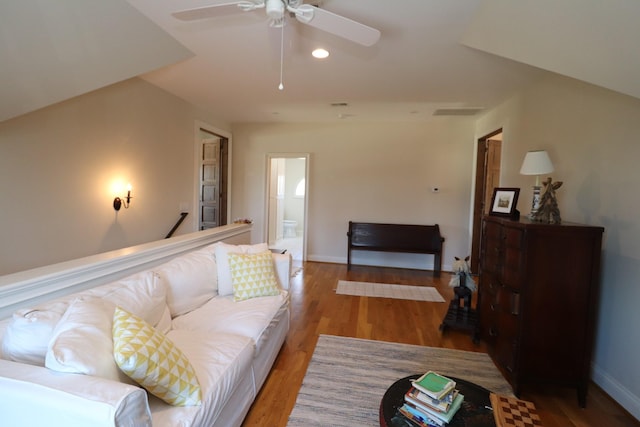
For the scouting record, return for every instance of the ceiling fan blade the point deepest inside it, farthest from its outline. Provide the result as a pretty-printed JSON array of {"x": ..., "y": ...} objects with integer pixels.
[
  {"x": 216, "y": 10},
  {"x": 342, "y": 27}
]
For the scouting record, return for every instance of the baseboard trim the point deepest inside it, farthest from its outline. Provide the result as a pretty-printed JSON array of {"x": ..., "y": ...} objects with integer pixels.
[
  {"x": 622, "y": 395},
  {"x": 374, "y": 263}
]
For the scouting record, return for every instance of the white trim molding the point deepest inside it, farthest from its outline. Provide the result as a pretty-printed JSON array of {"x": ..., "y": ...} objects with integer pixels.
[
  {"x": 30, "y": 287},
  {"x": 616, "y": 391}
]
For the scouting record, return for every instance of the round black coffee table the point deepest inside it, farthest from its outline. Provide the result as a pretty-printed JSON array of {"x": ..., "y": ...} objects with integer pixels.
[{"x": 473, "y": 412}]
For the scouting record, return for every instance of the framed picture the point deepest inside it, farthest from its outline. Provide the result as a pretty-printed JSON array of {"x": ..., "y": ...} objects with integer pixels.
[{"x": 504, "y": 201}]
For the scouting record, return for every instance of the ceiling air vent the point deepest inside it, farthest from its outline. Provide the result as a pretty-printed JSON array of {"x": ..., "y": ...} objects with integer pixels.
[
  {"x": 339, "y": 104},
  {"x": 456, "y": 111}
]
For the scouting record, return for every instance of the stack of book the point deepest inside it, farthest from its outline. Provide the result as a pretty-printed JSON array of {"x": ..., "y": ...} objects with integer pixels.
[{"x": 432, "y": 400}]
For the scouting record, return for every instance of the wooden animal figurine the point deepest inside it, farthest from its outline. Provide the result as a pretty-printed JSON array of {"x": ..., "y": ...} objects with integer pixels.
[
  {"x": 462, "y": 274},
  {"x": 462, "y": 283},
  {"x": 549, "y": 212}
]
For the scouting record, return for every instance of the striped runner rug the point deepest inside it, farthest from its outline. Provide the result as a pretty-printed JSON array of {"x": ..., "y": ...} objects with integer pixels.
[
  {"x": 347, "y": 378},
  {"x": 387, "y": 290}
]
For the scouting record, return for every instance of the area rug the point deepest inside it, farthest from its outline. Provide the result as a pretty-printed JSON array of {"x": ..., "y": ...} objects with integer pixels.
[
  {"x": 347, "y": 378},
  {"x": 387, "y": 290}
]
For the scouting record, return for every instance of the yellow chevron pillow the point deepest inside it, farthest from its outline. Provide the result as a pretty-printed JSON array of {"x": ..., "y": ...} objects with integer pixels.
[
  {"x": 252, "y": 275},
  {"x": 153, "y": 361}
]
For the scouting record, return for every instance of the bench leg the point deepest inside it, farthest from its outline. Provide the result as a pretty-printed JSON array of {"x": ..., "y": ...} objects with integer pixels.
[{"x": 437, "y": 264}]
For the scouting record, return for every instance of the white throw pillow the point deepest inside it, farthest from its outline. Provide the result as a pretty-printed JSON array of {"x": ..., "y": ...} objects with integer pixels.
[
  {"x": 166, "y": 322},
  {"x": 190, "y": 281},
  {"x": 142, "y": 294},
  {"x": 27, "y": 337},
  {"x": 82, "y": 341},
  {"x": 225, "y": 286}
]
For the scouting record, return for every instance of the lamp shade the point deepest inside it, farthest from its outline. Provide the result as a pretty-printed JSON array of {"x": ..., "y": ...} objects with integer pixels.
[{"x": 536, "y": 163}]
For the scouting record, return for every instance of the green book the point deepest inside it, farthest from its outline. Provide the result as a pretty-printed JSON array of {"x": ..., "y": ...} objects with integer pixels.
[{"x": 434, "y": 384}]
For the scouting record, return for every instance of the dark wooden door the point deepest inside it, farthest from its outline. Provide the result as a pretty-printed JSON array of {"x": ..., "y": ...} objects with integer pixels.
[{"x": 487, "y": 178}]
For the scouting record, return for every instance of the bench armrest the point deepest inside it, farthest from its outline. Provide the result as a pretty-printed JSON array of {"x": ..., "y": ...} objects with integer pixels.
[{"x": 35, "y": 395}]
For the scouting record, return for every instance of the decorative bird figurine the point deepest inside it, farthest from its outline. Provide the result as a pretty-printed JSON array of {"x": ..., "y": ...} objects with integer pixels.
[{"x": 549, "y": 212}]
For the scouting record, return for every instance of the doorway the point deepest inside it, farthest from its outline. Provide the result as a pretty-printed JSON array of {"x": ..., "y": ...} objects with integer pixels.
[
  {"x": 287, "y": 196},
  {"x": 213, "y": 170},
  {"x": 487, "y": 178}
]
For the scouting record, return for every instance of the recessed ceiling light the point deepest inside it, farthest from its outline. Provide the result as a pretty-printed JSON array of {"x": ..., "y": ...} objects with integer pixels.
[{"x": 320, "y": 53}]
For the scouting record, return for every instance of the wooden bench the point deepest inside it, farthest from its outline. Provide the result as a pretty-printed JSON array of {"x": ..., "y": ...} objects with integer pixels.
[{"x": 407, "y": 238}]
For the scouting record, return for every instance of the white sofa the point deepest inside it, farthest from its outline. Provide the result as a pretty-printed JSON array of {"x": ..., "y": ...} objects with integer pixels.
[{"x": 230, "y": 344}]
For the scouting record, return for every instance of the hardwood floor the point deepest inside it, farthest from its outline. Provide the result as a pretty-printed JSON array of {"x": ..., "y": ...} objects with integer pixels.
[{"x": 316, "y": 309}]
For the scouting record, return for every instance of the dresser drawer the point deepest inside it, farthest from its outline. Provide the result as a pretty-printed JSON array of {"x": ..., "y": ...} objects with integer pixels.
[
  {"x": 492, "y": 231},
  {"x": 505, "y": 357},
  {"x": 508, "y": 329},
  {"x": 513, "y": 268},
  {"x": 488, "y": 308},
  {"x": 513, "y": 238}
]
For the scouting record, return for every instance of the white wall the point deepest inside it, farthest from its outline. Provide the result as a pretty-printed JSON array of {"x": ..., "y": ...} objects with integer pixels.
[
  {"x": 378, "y": 172},
  {"x": 57, "y": 166},
  {"x": 592, "y": 138}
]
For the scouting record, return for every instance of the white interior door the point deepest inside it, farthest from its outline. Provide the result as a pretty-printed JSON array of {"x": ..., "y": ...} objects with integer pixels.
[{"x": 286, "y": 205}]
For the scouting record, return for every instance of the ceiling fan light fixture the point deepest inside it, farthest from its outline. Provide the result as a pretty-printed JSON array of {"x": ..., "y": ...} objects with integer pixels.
[
  {"x": 247, "y": 6},
  {"x": 275, "y": 9},
  {"x": 320, "y": 53},
  {"x": 304, "y": 13}
]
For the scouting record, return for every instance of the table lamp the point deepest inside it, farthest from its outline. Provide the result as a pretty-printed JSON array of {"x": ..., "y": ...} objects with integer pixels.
[{"x": 536, "y": 163}]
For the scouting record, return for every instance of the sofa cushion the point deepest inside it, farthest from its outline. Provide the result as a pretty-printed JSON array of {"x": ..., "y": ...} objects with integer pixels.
[
  {"x": 27, "y": 335},
  {"x": 190, "y": 280},
  {"x": 30, "y": 331},
  {"x": 249, "y": 318},
  {"x": 221, "y": 361},
  {"x": 142, "y": 294},
  {"x": 165, "y": 323},
  {"x": 252, "y": 275},
  {"x": 153, "y": 361},
  {"x": 82, "y": 341},
  {"x": 225, "y": 286}
]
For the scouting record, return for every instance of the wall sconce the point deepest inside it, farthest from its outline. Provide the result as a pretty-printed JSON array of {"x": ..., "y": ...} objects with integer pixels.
[
  {"x": 118, "y": 202},
  {"x": 536, "y": 163}
]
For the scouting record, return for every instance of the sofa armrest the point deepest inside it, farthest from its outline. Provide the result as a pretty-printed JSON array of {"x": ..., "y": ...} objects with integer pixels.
[
  {"x": 283, "y": 269},
  {"x": 35, "y": 395}
]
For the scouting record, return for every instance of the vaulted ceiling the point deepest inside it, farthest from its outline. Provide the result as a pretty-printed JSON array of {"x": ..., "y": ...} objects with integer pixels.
[{"x": 456, "y": 56}]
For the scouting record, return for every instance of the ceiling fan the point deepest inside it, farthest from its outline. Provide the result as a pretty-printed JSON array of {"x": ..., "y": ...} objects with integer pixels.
[{"x": 276, "y": 12}]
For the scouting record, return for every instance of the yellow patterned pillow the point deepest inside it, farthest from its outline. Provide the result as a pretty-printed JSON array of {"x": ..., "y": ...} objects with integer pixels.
[
  {"x": 252, "y": 275},
  {"x": 153, "y": 361}
]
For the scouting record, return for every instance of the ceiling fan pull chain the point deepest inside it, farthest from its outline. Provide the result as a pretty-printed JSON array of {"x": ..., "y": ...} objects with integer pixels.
[{"x": 281, "y": 86}]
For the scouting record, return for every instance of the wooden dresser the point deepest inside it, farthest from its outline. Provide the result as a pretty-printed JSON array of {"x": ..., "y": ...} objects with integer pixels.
[{"x": 537, "y": 297}]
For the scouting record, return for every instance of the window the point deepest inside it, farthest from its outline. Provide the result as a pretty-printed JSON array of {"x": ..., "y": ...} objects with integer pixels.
[{"x": 300, "y": 188}]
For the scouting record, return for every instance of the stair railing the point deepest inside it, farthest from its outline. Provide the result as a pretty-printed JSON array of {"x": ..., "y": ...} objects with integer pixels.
[{"x": 175, "y": 227}]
